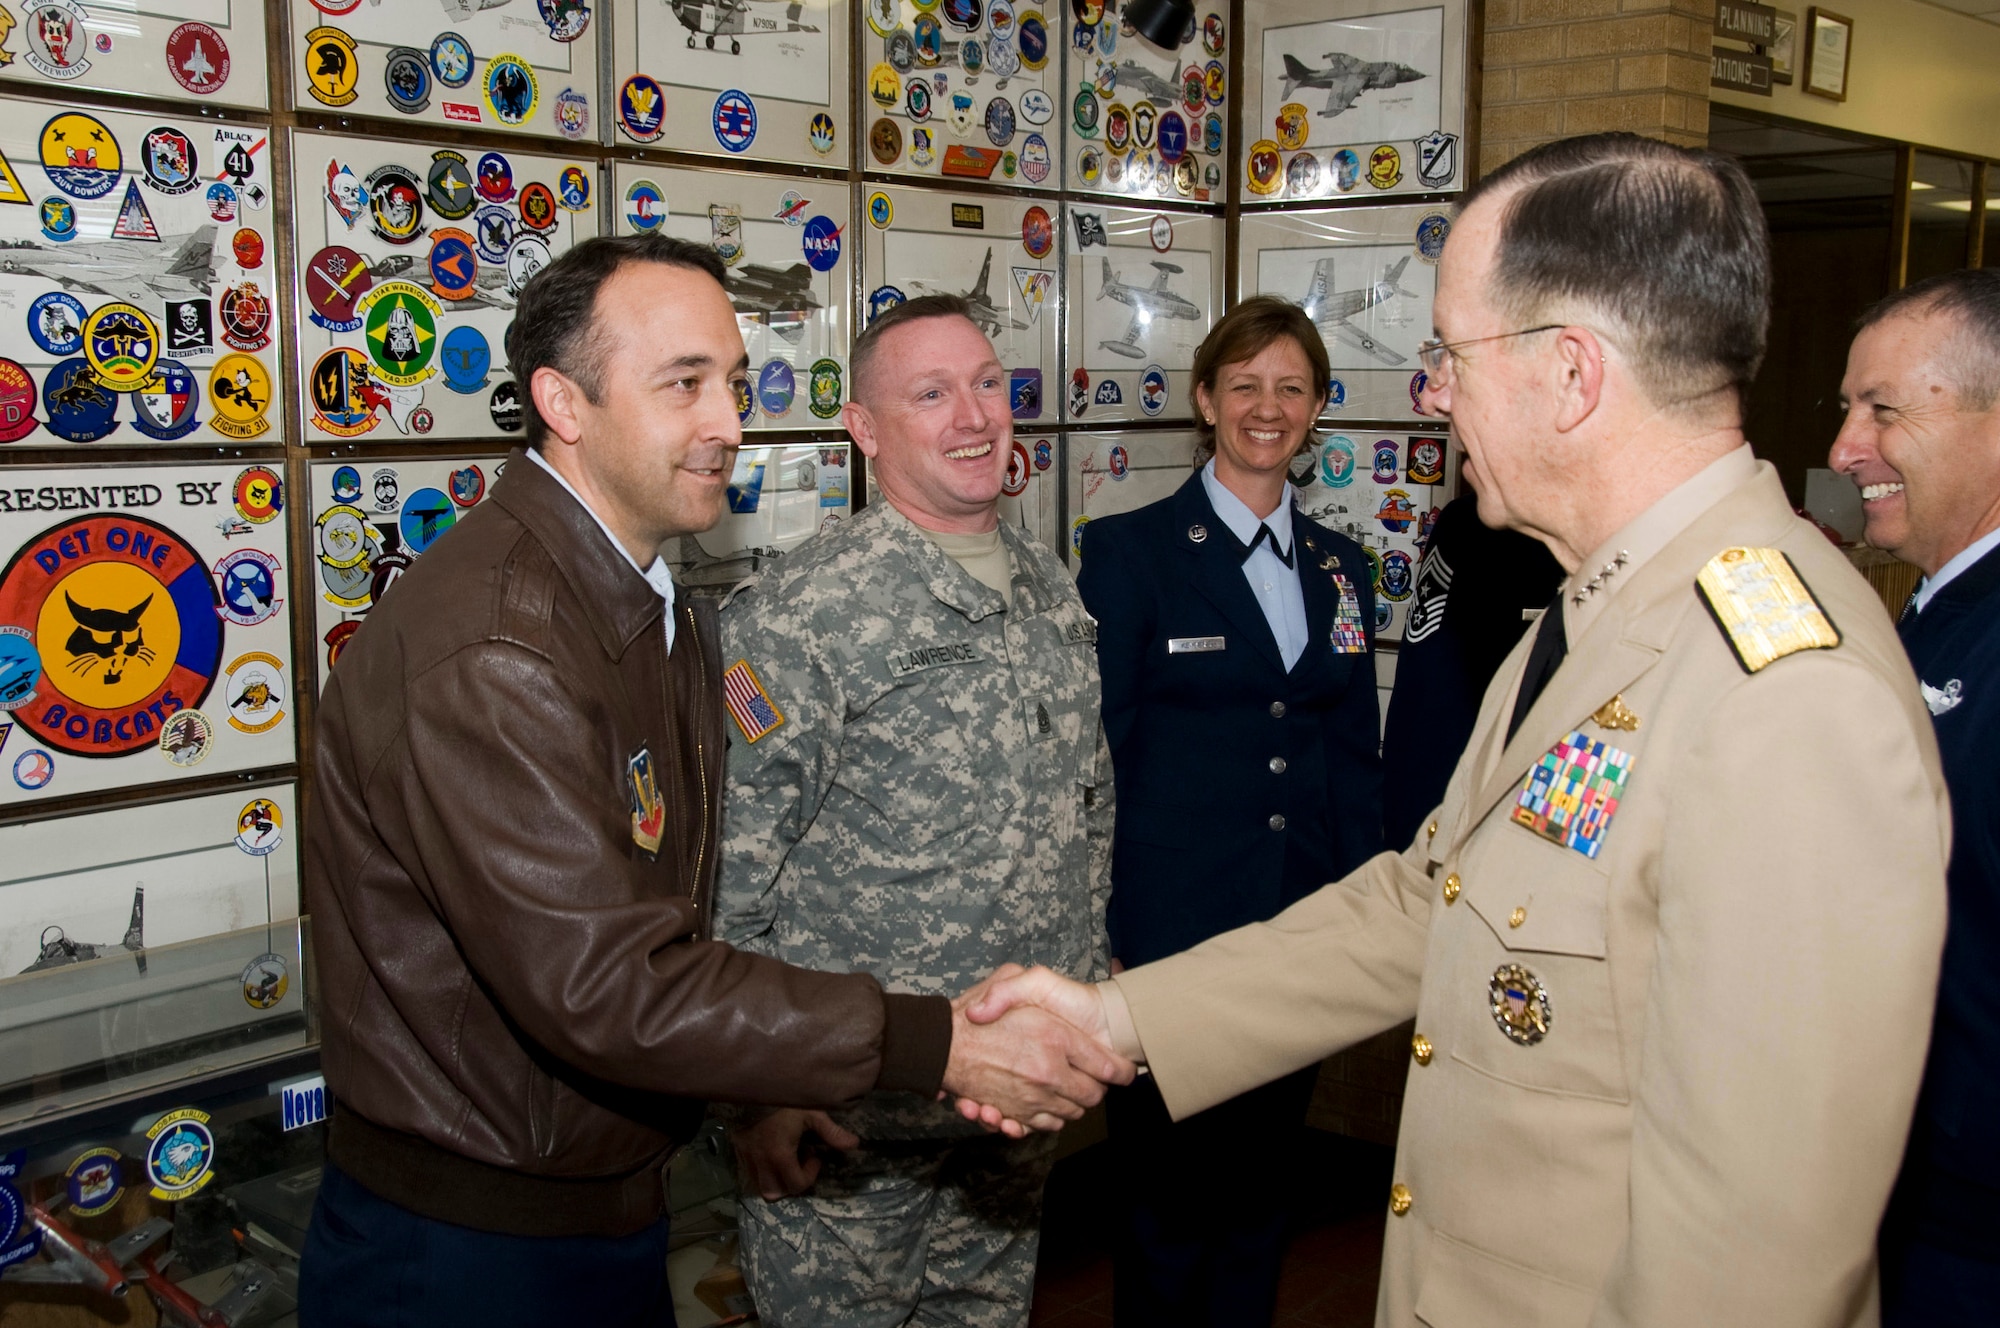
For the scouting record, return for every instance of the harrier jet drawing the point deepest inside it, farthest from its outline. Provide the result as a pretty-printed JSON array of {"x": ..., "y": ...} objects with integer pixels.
[
  {"x": 736, "y": 19},
  {"x": 1345, "y": 78},
  {"x": 1147, "y": 303},
  {"x": 781, "y": 298},
  {"x": 1132, "y": 74},
  {"x": 1331, "y": 309},
  {"x": 137, "y": 274},
  {"x": 985, "y": 313}
]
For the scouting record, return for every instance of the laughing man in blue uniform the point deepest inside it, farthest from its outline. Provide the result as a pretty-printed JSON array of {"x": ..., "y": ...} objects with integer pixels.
[{"x": 1922, "y": 441}]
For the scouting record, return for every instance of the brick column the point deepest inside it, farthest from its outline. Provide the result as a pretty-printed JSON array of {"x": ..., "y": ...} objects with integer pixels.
[{"x": 1554, "y": 68}]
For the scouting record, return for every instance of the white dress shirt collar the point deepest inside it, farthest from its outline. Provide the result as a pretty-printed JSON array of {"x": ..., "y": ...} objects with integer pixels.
[
  {"x": 657, "y": 576},
  {"x": 1242, "y": 522}
]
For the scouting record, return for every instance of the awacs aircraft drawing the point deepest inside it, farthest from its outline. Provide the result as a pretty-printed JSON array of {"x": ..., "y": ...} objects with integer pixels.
[
  {"x": 985, "y": 313},
  {"x": 1345, "y": 78},
  {"x": 1331, "y": 309},
  {"x": 736, "y": 19},
  {"x": 489, "y": 286},
  {"x": 779, "y": 297},
  {"x": 1147, "y": 303},
  {"x": 135, "y": 273}
]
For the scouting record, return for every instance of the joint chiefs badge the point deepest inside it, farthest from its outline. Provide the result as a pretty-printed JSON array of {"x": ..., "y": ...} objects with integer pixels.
[
  {"x": 255, "y": 692},
  {"x": 128, "y": 628},
  {"x": 1520, "y": 1004},
  {"x": 649, "y": 812},
  {"x": 266, "y": 979},
  {"x": 180, "y": 1154}
]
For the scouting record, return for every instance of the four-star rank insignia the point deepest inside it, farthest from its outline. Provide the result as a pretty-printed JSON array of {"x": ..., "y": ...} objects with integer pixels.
[
  {"x": 1572, "y": 793},
  {"x": 649, "y": 813}
]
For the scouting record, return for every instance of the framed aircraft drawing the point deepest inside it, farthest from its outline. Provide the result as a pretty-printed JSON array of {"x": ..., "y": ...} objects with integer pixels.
[
  {"x": 1144, "y": 121},
  {"x": 1118, "y": 472},
  {"x": 963, "y": 89},
  {"x": 209, "y": 51},
  {"x": 505, "y": 66},
  {"x": 410, "y": 257},
  {"x": 140, "y": 274},
  {"x": 119, "y": 881},
  {"x": 1381, "y": 490},
  {"x": 1367, "y": 277},
  {"x": 1031, "y": 495},
  {"x": 1354, "y": 99},
  {"x": 754, "y": 80},
  {"x": 999, "y": 251},
  {"x": 144, "y": 632},
  {"x": 1144, "y": 286},
  {"x": 780, "y": 495},
  {"x": 372, "y": 519},
  {"x": 787, "y": 247}
]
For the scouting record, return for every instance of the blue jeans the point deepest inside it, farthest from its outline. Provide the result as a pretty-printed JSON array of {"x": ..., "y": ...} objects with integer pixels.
[{"x": 369, "y": 1263}]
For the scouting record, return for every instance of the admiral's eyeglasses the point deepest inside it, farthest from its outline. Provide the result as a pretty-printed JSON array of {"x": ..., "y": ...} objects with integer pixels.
[{"x": 1435, "y": 355}]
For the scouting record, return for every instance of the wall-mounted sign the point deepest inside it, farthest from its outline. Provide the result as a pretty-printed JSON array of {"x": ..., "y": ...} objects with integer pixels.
[{"x": 1743, "y": 71}]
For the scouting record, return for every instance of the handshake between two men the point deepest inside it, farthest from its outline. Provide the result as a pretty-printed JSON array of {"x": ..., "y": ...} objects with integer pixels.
[{"x": 1030, "y": 1051}]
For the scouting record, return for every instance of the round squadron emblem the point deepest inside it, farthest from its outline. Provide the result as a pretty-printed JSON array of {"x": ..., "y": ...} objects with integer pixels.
[
  {"x": 180, "y": 1154},
  {"x": 265, "y": 981},
  {"x": 128, "y": 626},
  {"x": 400, "y": 318},
  {"x": 122, "y": 346},
  {"x": 1520, "y": 1004}
]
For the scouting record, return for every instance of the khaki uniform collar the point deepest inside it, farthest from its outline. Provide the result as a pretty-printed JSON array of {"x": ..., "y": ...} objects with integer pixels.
[{"x": 1613, "y": 565}]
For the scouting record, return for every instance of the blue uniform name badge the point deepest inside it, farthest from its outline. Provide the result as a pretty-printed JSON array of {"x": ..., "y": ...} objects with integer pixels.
[
  {"x": 1350, "y": 634},
  {"x": 1195, "y": 645},
  {"x": 749, "y": 704},
  {"x": 649, "y": 813},
  {"x": 1573, "y": 791}
]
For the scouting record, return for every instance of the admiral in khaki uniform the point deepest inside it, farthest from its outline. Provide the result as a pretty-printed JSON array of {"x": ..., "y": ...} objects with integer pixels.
[{"x": 1672, "y": 937}]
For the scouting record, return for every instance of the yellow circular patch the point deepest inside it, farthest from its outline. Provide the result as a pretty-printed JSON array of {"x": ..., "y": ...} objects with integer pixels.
[
  {"x": 113, "y": 632},
  {"x": 75, "y": 141}
]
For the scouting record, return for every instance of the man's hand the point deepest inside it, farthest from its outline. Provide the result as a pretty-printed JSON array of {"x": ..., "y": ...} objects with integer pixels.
[
  {"x": 1017, "y": 1066},
  {"x": 767, "y": 1153}
]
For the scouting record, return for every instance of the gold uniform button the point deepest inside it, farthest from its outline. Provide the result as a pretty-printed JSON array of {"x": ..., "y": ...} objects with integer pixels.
[
  {"x": 1431, "y": 833},
  {"x": 1517, "y": 917},
  {"x": 1420, "y": 1047},
  {"x": 1451, "y": 888},
  {"x": 1400, "y": 1198}
]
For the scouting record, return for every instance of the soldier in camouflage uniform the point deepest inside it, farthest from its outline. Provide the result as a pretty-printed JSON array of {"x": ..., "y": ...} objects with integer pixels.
[{"x": 918, "y": 787}]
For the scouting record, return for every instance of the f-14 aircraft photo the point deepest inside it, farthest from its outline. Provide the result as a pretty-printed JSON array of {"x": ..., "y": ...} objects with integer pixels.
[
  {"x": 736, "y": 19},
  {"x": 1345, "y": 78},
  {"x": 1331, "y": 309},
  {"x": 140, "y": 274},
  {"x": 1147, "y": 303}
]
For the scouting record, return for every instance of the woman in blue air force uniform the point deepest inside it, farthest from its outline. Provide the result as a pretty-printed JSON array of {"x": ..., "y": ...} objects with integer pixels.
[{"x": 1236, "y": 645}]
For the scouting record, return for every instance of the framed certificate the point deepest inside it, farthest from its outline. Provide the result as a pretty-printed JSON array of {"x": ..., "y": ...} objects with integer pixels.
[{"x": 1829, "y": 46}]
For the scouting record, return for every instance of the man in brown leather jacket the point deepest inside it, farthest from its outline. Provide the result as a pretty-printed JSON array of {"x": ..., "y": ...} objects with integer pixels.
[{"x": 510, "y": 860}]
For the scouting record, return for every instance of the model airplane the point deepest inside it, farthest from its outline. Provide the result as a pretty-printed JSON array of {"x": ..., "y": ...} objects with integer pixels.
[
  {"x": 734, "y": 19},
  {"x": 1331, "y": 309},
  {"x": 62, "y": 950},
  {"x": 1146, "y": 303},
  {"x": 985, "y": 313},
  {"x": 781, "y": 298},
  {"x": 1345, "y": 78},
  {"x": 122, "y": 270},
  {"x": 76, "y": 1260}
]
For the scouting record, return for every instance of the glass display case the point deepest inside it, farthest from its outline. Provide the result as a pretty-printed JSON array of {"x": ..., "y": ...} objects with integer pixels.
[{"x": 160, "y": 1131}]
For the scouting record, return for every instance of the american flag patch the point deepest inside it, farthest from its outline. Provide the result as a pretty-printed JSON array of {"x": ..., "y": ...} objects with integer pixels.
[
  {"x": 1350, "y": 634},
  {"x": 1572, "y": 793},
  {"x": 749, "y": 704}
]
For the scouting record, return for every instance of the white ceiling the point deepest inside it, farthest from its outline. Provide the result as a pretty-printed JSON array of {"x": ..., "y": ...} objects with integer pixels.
[{"x": 1985, "y": 10}]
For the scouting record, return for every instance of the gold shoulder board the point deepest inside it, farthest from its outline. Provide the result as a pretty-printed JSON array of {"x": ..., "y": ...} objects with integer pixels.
[{"x": 1763, "y": 607}]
